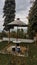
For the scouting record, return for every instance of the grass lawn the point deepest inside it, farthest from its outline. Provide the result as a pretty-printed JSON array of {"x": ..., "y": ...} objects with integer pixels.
[
  {"x": 3, "y": 44},
  {"x": 14, "y": 60},
  {"x": 7, "y": 59}
]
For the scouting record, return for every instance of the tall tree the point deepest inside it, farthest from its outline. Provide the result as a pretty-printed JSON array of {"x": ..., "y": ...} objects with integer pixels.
[
  {"x": 32, "y": 17},
  {"x": 9, "y": 14},
  {"x": 9, "y": 11}
]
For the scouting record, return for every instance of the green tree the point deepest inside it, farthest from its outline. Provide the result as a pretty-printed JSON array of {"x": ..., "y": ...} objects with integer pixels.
[
  {"x": 18, "y": 33},
  {"x": 4, "y": 34},
  {"x": 22, "y": 33},
  {"x": 32, "y": 18},
  {"x": 9, "y": 11},
  {"x": 9, "y": 14}
]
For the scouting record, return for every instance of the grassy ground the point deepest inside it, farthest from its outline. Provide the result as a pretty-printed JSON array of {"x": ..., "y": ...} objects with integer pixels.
[
  {"x": 33, "y": 54},
  {"x": 7, "y": 59},
  {"x": 14, "y": 60},
  {"x": 3, "y": 44}
]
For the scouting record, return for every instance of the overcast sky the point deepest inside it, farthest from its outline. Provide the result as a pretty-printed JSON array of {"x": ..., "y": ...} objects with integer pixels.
[{"x": 22, "y": 10}]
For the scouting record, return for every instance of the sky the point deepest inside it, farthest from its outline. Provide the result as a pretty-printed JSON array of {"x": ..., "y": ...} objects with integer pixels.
[{"x": 22, "y": 10}]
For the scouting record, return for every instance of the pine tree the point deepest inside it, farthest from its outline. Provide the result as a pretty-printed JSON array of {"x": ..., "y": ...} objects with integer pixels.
[
  {"x": 32, "y": 18},
  {"x": 9, "y": 11}
]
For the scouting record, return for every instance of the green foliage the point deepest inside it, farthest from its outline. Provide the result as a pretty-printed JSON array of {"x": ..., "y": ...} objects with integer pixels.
[
  {"x": 14, "y": 34},
  {"x": 9, "y": 11},
  {"x": 1, "y": 35},
  {"x": 32, "y": 19},
  {"x": 4, "y": 34}
]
